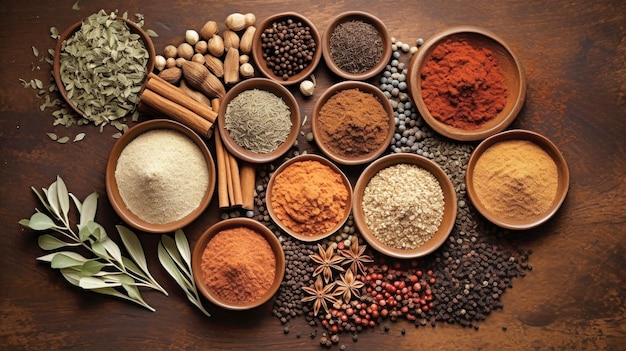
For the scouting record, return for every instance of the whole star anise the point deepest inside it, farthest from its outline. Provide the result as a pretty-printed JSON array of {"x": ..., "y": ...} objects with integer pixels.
[
  {"x": 348, "y": 286},
  {"x": 326, "y": 261},
  {"x": 321, "y": 294},
  {"x": 356, "y": 257}
]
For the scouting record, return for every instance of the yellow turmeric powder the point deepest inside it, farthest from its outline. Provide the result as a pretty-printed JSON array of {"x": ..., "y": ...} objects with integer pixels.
[{"x": 309, "y": 198}]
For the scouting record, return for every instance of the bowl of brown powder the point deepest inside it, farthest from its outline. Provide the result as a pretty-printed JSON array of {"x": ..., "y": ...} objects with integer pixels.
[
  {"x": 517, "y": 179},
  {"x": 467, "y": 83},
  {"x": 238, "y": 264},
  {"x": 353, "y": 123},
  {"x": 160, "y": 176},
  {"x": 404, "y": 205}
]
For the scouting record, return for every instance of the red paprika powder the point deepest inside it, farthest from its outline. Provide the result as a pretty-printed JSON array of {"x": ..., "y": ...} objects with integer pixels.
[{"x": 462, "y": 85}]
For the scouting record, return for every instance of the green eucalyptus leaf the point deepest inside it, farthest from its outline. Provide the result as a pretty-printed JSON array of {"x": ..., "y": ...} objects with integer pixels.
[
  {"x": 183, "y": 246},
  {"x": 40, "y": 221},
  {"x": 67, "y": 259},
  {"x": 96, "y": 230},
  {"x": 47, "y": 258},
  {"x": 72, "y": 276},
  {"x": 111, "y": 247},
  {"x": 88, "y": 212},
  {"x": 99, "y": 250},
  {"x": 92, "y": 267},
  {"x": 171, "y": 268},
  {"x": 170, "y": 246},
  {"x": 53, "y": 199},
  {"x": 97, "y": 283},
  {"x": 49, "y": 242},
  {"x": 133, "y": 246},
  {"x": 64, "y": 198}
]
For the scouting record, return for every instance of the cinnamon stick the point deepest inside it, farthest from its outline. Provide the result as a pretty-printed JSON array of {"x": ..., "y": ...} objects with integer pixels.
[
  {"x": 175, "y": 94},
  {"x": 222, "y": 176},
  {"x": 247, "y": 174},
  {"x": 177, "y": 112},
  {"x": 236, "y": 181}
]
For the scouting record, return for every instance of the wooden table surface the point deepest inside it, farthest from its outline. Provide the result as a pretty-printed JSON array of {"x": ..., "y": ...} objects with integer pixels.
[{"x": 574, "y": 298}]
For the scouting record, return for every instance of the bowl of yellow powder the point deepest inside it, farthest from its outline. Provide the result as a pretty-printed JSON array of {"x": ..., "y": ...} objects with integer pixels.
[
  {"x": 309, "y": 197},
  {"x": 238, "y": 264},
  {"x": 517, "y": 179},
  {"x": 404, "y": 205},
  {"x": 160, "y": 176}
]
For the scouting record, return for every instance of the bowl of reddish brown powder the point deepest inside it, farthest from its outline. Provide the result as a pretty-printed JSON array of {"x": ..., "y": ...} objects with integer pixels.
[
  {"x": 467, "y": 83},
  {"x": 238, "y": 264}
]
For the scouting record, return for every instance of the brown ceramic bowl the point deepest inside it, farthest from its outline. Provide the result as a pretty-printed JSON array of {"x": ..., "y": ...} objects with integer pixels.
[
  {"x": 69, "y": 32},
  {"x": 509, "y": 64},
  {"x": 257, "y": 50},
  {"x": 201, "y": 244},
  {"x": 450, "y": 205},
  {"x": 363, "y": 17},
  {"x": 547, "y": 146},
  {"x": 278, "y": 90},
  {"x": 366, "y": 88},
  {"x": 269, "y": 193},
  {"x": 111, "y": 185}
]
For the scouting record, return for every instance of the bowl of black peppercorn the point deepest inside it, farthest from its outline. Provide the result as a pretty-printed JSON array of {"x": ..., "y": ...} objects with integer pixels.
[{"x": 286, "y": 47}]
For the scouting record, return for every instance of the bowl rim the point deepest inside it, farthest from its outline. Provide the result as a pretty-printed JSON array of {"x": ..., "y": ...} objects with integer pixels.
[
  {"x": 365, "y": 17},
  {"x": 450, "y": 207},
  {"x": 258, "y": 227},
  {"x": 545, "y": 144},
  {"x": 366, "y": 88},
  {"x": 275, "y": 88},
  {"x": 56, "y": 61},
  {"x": 111, "y": 184},
  {"x": 259, "y": 61},
  {"x": 414, "y": 83},
  {"x": 326, "y": 162}
]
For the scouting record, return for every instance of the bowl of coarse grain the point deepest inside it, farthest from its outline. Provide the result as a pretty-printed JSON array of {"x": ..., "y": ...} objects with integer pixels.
[
  {"x": 517, "y": 179},
  {"x": 404, "y": 205},
  {"x": 116, "y": 93},
  {"x": 259, "y": 120},
  {"x": 238, "y": 264},
  {"x": 356, "y": 45},
  {"x": 286, "y": 32},
  {"x": 353, "y": 123},
  {"x": 467, "y": 83},
  {"x": 309, "y": 197},
  {"x": 160, "y": 176}
]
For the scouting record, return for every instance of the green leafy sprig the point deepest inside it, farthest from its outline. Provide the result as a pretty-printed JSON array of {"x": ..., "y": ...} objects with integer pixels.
[
  {"x": 175, "y": 257},
  {"x": 108, "y": 272}
]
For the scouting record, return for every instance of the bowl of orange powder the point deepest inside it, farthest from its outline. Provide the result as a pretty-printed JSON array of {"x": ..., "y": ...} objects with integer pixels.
[
  {"x": 309, "y": 197},
  {"x": 517, "y": 179},
  {"x": 238, "y": 264},
  {"x": 467, "y": 83}
]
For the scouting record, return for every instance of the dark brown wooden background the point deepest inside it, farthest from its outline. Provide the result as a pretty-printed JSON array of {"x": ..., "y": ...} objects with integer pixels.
[{"x": 575, "y": 58}]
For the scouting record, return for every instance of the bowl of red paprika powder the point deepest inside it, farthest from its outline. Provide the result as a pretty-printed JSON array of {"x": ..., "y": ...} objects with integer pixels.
[
  {"x": 238, "y": 264},
  {"x": 467, "y": 83}
]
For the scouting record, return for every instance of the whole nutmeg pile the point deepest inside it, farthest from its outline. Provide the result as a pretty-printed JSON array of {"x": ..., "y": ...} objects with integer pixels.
[{"x": 288, "y": 47}]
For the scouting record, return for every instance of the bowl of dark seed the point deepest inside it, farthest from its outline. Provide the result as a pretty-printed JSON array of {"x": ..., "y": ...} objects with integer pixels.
[
  {"x": 356, "y": 45},
  {"x": 404, "y": 205},
  {"x": 467, "y": 83},
  {"x": 259, "y": 120},
  {"x": 160, "y": 176},
  {"x": 353, "y": 123},
  {"x": 286, "y": 47},
  {"x": 100, "y": 65}
]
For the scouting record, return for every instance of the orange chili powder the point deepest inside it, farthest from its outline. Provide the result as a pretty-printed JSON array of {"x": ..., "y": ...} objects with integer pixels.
[{"x": 462, "y": 85}]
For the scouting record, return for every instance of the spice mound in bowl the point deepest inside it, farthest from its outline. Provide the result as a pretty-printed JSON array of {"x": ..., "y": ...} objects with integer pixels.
[
  {"x": 353, "y": 123},
  {"x": 100, "y": 65},
  {"x": 467, "y": 83},
  {"x": 517, "y": 179},
  {"x": 356, "y": 45},
  {"x": 238, "y": 264},
  {"x": 160, "y": 176},
  {"x": 404, "y": 205},
  {"x": 259, "y": 120},
  {"x": 286, "y": 47},
  {"x": 309, "y": 197}
]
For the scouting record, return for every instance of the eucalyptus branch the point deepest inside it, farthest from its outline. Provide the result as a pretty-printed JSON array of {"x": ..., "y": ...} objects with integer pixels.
[{"x": 108, "y": 272}]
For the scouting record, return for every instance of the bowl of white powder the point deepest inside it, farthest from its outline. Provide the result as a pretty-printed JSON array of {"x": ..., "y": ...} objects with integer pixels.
[{"x": 160, "y": 176}]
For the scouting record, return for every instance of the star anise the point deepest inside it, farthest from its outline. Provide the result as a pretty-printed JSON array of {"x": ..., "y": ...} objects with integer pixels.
[
  {"x": 348, "y": 286},
  {"x": 356, "y": 257},
  {"x": 326, "y": 260},
  {"x": 321, "y": 294}
]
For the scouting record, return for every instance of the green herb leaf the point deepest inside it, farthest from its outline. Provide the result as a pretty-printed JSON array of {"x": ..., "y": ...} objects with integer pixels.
[
  {"x": 133, "y": 246},
  {"x": 111, "y": 247},
  {"x": 183, "y": 247},
  {"x": 172, "y": 269},
  {"x": 97, "y": 283},
  {"x": 79, "y": 137},
  {"x": 151, "y": 33},
  {"x": 52, "y": 136},
  {"x": 40, "y": 221},
  {"x": 92, "y": 267},
  {"x": 64, "y": 198},
  {"x": 67, "y": 259},
  {"x": 88, "y": 211},
  {"x": 63, "y": 140},
  {"x": 49, "y": 242}
]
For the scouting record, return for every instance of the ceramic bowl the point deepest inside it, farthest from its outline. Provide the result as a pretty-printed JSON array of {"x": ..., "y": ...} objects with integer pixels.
[
  {"x": 205, "y": 238},
  {"x": 272, "y": 212},
  {"x": 278, "y": 90},
  {"x": 450, "y": 205},
  {"x": 111, "y": 185},
  {"x": 509, "y": 64},
  {"x": 69, "y": 32},
  {"x": 363, "y": 17},
  {"x": 547, "y": 146},
  {"x": 257, "y": 49},
  {"x": 317, "y": 130}
]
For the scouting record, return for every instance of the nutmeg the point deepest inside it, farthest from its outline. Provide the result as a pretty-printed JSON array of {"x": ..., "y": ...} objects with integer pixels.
[
  {"x": 245, "y": 44},
  {"x": 208, "y": 30},
  {"x": 216, "y": 45},
  {"x": 185, "y": 50},
  {"x": 237, "y": 21},
  {"x": 231, "y": 40}
]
